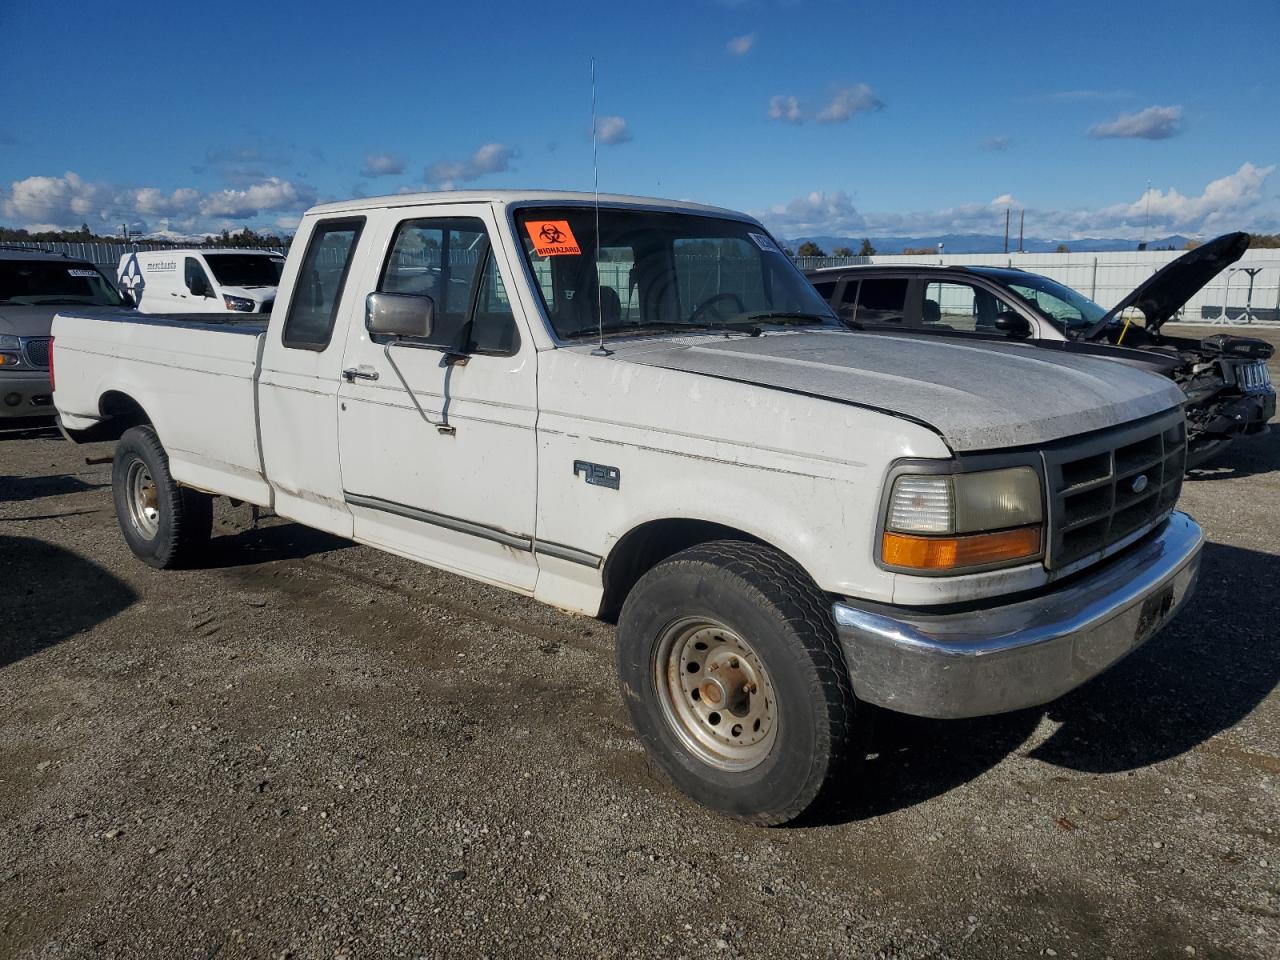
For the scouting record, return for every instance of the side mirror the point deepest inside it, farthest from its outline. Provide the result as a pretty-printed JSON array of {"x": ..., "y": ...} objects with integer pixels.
[
  {"x": 198, "y": 286},
  {"x": 126, "y": 295},
  {"x": 399, "y": 314},
  {"x": 1013, "y": 324}
]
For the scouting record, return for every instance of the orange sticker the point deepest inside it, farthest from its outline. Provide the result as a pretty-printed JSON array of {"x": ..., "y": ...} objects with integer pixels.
[{"x": 552, "y": 238}]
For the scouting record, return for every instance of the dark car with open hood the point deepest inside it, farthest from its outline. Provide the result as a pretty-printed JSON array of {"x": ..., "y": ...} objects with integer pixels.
[{"x": 1224, "y": 377}]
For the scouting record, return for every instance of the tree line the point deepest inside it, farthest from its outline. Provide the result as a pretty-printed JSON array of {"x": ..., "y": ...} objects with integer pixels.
[
  {"x": 811, "y": 249},
  {"x": 242, "y": 238}
]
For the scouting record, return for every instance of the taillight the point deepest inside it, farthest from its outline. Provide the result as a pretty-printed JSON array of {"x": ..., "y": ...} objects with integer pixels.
[{"x": 51, "y": 386}]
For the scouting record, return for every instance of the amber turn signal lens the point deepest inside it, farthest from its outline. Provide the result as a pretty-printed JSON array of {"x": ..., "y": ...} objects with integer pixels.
[{"x": 952, "y": 553}]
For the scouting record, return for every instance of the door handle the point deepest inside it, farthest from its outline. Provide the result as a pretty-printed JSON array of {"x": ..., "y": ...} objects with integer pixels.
[{"x": 362, "y": 372}]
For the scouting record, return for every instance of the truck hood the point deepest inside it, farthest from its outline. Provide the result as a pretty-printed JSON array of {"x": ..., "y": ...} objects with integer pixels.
[
  {"x": 28, "y": 321},
  {"x": 987, "y": 396},
  {"x": 1167, "y": 290}
]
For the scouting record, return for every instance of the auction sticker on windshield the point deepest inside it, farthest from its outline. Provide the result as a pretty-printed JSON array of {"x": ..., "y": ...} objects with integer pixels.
[
  {"x": 552, "y": 238},
  {"x": 764, "y": 243}
]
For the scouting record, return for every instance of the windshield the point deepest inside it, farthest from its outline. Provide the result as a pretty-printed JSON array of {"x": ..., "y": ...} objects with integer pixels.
[
  {"x": 31, "y": 282},
  {"x": 245, "y": 269},
  {"x": 1065, "y": 307},
  {"x": 660, "y": 271}
]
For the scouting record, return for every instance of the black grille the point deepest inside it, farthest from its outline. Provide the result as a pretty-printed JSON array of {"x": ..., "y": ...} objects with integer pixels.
[
  {"x": 1111, "y": 487},
  {"x": 38, "y": 352}
]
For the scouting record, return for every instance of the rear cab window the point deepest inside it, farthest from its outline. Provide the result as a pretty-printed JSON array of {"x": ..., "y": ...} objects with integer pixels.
[{"x": 317, "y": 290}]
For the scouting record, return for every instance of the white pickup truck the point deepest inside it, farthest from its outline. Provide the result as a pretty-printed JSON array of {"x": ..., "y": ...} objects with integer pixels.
[{"x": 643, "y": 410}]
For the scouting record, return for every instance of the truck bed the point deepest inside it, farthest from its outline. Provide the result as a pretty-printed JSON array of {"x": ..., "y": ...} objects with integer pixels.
[{"x": 194, "y": 375}]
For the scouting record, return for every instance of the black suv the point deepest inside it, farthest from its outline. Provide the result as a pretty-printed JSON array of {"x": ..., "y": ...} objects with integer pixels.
[{"x": 1225, "y": 378}]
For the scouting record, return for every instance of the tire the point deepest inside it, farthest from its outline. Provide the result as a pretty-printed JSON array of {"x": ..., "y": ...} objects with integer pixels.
[
  {"x": 164, "y": 524},
  {"x": 756, "y": 616}
]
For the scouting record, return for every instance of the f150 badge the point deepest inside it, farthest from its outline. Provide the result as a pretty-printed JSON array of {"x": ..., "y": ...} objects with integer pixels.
[{"x": 598, "y": 474}]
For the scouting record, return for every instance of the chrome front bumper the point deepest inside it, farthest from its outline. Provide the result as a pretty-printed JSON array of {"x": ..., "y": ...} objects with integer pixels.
[{"x": 996, "y": 659}]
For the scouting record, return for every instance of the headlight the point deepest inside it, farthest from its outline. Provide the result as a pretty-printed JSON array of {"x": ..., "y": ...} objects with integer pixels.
[
  {"x": 237, "y": 303},
  {"x": 10, "y": 350},
  {"x": 953, "y": 522}
]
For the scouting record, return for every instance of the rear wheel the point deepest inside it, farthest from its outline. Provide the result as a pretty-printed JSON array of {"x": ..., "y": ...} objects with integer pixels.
[
  {"x": 164, "y": 524},
  {"x": 735, "y": 681}
]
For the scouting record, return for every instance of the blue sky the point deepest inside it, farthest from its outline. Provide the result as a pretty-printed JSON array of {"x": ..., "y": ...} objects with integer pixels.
[{"x": 822, "y": 117}]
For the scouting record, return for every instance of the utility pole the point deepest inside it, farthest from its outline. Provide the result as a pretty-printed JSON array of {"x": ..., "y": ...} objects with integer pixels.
[
  {"x": 1022, "y": 219},
  {"x": 1147, "y": 222},
  {"x": 1006, "y": 229}
]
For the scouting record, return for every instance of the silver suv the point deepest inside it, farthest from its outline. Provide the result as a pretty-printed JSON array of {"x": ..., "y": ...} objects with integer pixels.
[{"x": 34, "y": 285}]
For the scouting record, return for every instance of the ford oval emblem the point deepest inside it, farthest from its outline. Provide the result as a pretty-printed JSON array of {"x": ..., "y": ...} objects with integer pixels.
[{"x": 1139, "y": 483}]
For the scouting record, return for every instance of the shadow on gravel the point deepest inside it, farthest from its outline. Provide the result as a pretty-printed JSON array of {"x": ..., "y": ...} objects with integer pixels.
[
  {"x": 279, "y": 541},
  {"x": 23, "y": 428},
  {"x": 51, "y": 594},
  {"x": 13, "y": 489},
  {"x": 1202, "y": 675},
  {"x": 1245, "y": 457},
  {"x": 912, "y": 760}
]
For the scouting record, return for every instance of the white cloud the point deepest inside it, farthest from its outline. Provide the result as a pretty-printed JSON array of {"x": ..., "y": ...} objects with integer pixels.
[
  {"x": 1153, "y": 123},
  {"x": 269, "y": 195},
  {"x": 740, "y": 46},
  {"x": 487, "y": 159},
  {"x": 814, "y": 213},
  {"x": 785, "y": 108},
  {"x": 246, "y": 163},
  {"x": 382, "y": 165},
  {"x": 848, "y": 102},
  {"x": 612, "y": 130},
  {"x": 67, "y": 201},
  {"x": 1235, "y": 202}
]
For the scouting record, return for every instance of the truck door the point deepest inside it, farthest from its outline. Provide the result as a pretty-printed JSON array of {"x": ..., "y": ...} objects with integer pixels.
[
  {"x": 437, "y": 433},
  {"x": 300, "y": 371}
]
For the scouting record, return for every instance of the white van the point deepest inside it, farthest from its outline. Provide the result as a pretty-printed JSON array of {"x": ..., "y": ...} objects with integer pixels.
[{"x": 201, "y": 281}]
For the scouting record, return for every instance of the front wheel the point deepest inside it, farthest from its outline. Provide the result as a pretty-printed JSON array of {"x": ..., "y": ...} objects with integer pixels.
[
  {"x": 735, "y": 681},
  {"x": 164, "y": 524}
]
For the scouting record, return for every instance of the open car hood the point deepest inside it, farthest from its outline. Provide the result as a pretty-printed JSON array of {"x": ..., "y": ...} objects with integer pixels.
[{"x": 1166, "y": 291}]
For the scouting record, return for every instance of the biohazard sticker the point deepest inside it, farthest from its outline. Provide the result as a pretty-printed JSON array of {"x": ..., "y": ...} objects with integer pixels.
[
  {"x": 552, "y": 238},
  {"x": 764, "y": 243}
]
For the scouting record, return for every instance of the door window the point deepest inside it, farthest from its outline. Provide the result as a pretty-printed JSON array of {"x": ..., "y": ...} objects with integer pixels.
[
  {"x": 317, "y": 291},
  {"x": 195, "y": 278},
  {"x": 874, "y": 301},
  {"x": 960, "y": 307},
  {"x": 450, "y": 260}
]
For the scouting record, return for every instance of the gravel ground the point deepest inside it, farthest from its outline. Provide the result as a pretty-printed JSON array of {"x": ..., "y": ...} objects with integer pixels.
[{"x": 311, "y": 749}]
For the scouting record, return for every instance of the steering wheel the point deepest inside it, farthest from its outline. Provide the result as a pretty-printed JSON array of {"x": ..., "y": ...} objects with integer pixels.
[{"x": 710, "y": 302}]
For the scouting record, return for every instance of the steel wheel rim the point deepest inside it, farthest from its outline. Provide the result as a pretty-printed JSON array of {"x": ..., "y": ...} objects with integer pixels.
[
  {"x": 144, "y": 500},
  {"x": 716, "y": 694}
]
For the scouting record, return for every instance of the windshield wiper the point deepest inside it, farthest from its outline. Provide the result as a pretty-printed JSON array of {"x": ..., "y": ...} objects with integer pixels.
[
  {"x": 735, "y": 326},
  {"x": 790, "y": 316}
]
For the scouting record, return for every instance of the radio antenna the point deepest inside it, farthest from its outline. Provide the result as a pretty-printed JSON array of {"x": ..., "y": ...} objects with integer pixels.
[{"x": 600, "y": 350}]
